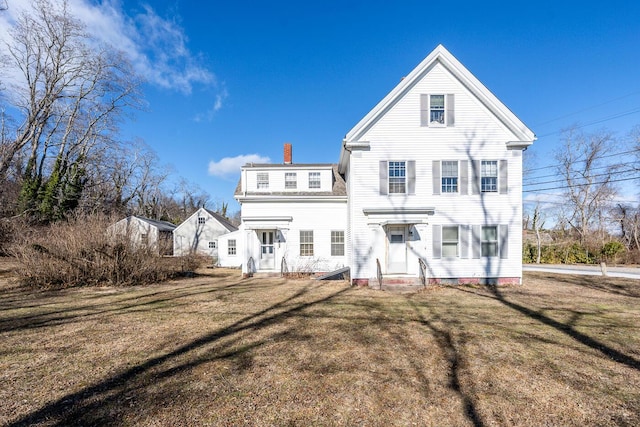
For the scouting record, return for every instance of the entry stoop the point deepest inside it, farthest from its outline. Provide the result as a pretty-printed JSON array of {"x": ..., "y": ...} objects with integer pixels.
[{"x": 398, "y": 284}]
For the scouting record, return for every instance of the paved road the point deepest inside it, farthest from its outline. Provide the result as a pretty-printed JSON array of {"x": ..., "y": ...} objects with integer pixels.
[{"x": 592, "y": 270}]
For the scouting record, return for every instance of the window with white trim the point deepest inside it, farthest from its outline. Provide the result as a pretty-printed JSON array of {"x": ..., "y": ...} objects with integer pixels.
[
  {"x": 489, "y": 241},
  {"x": 337, "y": 243},
  {"x": 290, "y": 180},
  {"x": 436, "y": 110},
  {"x": 212, "y": 245},
  {"x": 450, "y": 241},
  {"x": 450, "y": 176},
  {"x": 314, "y": 179},
  {"x": 201, "y": 220},
  {"x": 489, "y": 176},
  {"x": 231, "y": 246},
  {"x": 397, "y": 177},
  {"x": 306, "y": 242},
  {"x": 263, "y": 181}
]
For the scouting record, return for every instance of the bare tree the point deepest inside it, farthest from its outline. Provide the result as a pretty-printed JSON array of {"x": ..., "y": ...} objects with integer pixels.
[
  {"x": 70, "y": 93},
  {"x": 583, "y": 166},
  {"x": 537, "y": 223}
]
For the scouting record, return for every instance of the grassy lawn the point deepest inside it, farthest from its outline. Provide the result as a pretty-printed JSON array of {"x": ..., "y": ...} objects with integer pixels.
[{"x": 218, "y": 350}]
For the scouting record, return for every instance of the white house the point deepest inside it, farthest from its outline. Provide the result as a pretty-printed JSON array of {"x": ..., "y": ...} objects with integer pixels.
[
  {"x": 433, "y": 177},
  {"x": 199, "y": 233},
  {"x": 291, "y": 212},
  {"x": 145, "y": 232}
]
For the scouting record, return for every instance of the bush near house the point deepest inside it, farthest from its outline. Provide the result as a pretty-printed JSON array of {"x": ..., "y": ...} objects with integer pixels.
[{"x": 80, "y": 252}]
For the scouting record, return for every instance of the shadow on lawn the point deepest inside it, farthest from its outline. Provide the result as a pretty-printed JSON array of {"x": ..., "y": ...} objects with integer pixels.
[
  {"x": 90, "y": 406},
  {"x": 597, "y": 283},
  {"x": 454, "y": 358},
  {"x": 114, "y": 304},
  {"x": 567, "y": 328}
]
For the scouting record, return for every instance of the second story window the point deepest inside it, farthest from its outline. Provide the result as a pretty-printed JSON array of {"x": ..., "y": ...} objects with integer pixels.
[
  {"x": 450, "y": 176},
  {"x": 489, "y": 176},
  {"x": 263, "y": 181},
  {"x": 290, "y": 180},
  {"x": 314, "y": 179},
  {"x": 397, "y": 177}
]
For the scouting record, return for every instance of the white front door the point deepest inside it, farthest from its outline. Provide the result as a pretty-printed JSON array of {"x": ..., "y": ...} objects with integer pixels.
[
  {"x": 267, "y": 256},
  {"x": 397, "y": 254}
]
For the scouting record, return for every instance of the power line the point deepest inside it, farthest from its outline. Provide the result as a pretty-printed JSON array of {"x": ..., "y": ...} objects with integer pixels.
[
  {"x": 627, "y": 171},
  {"x": 605, "y": 119},
  {"x": 635, "y": 150},
  {"x": 579, "y": 185}
]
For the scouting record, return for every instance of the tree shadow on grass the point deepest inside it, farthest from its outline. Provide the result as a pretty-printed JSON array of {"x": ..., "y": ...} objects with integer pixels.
[
  {"x": 455, "y": 359},
  {"x": 565, "y": 328},
  {"x": 87, "y": 406}
]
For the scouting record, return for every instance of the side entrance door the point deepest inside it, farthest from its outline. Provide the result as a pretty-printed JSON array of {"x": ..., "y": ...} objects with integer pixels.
[
  {"x": 397, "y": 249},
  {"x": 267, "y": 256}
]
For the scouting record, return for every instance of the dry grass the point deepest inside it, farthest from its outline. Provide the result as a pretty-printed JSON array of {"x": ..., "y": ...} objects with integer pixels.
[{"x": 218, "y": 350}]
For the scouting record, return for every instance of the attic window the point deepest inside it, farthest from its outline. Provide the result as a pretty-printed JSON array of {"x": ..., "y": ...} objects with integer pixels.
[
  {"x": 201, "y": 220},
  {"x": 263, "y": 181},
  {"x": 436, "y": 110}
]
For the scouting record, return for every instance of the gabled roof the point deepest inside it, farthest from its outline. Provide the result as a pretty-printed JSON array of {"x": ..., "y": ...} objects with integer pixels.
[
  {"x": 440, "y": 55},
  {"x": 160, "y": 225},
  {"x": 222, "y": 220}
]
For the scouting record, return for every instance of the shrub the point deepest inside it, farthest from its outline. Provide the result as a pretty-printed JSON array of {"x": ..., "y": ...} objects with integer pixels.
[
  {"x": 80, "y": 252},
  {"x": 611, "y": 250}
]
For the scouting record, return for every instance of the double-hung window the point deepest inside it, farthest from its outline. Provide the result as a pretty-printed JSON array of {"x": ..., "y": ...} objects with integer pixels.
[
  {"x": 314, "y": 179},
  {"x": 290, "y": 180},
  {"x": 436, "y": 109},
  {"x": 337, "y": 243},
  {"x": 231, "y": 247},
  {"x": 450, "y": 176},
  {"x": 489, "y": 241},
  {"x": 306, "y": 242},
  {"x": 397, "y": 177},
  {"x": 263, "y": 181},
  {"x": 489, "y": 176},
  {"x": 450, "y": 241}
]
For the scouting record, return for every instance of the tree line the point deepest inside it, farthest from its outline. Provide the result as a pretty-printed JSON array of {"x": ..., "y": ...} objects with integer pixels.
[
  {"x": 588, "y": 200},
  {"x": 64, "y": 95}
]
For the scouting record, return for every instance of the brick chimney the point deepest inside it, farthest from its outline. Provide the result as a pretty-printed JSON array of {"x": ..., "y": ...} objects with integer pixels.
[{"x": 288, "y": 153}]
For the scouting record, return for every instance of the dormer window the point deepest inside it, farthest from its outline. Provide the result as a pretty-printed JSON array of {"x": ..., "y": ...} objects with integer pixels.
[
  {"x": 290, "y": 181},
  {"x": 263, "y": 181},
  {"x": 314, "y": 179}
]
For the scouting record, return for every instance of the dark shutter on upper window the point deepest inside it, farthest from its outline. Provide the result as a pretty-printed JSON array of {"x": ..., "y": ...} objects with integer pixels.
[
  {"x": 384, "y": 177},
  {"x": 424, "y": 110},
  {"x": 411, "y": 177},
  {"x": 475, "y": 177},
  {"x": 437, "y": 241},
  {"x": 464, "y": 177},
  {"x": 464, "y": 241},
  {"x": 504, "y": 183},
  {"x": 450, "y": 116},
  {"x": 476, "y": 244},
  {"x": 437, "y": 181},
  {"x": 504, "y": 241}
]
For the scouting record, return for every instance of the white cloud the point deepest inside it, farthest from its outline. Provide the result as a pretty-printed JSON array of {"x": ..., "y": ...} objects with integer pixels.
[
  {"x": 231, "y": 165},
  {"x": 210, "y": 113},
  {"x": 156, "y": 46}
]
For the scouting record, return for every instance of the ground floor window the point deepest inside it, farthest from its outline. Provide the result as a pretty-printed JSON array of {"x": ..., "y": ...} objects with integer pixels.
[
  {"x": 489, "y": 241},
  {"x": 337, "y": 243},
  {"x": 231, "y": 247},
  {"x": 306, "y": 242},
  {"x": 450, "y": 241}
]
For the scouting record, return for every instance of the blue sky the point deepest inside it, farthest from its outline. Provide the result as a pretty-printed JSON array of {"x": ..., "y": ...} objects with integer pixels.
[{"x": 231, "y": 81}]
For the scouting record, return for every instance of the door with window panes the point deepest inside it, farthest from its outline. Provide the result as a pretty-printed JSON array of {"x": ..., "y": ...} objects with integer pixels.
[
  {"x": 267, "y": 250},
  {"x": 397, "y": 249}
]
